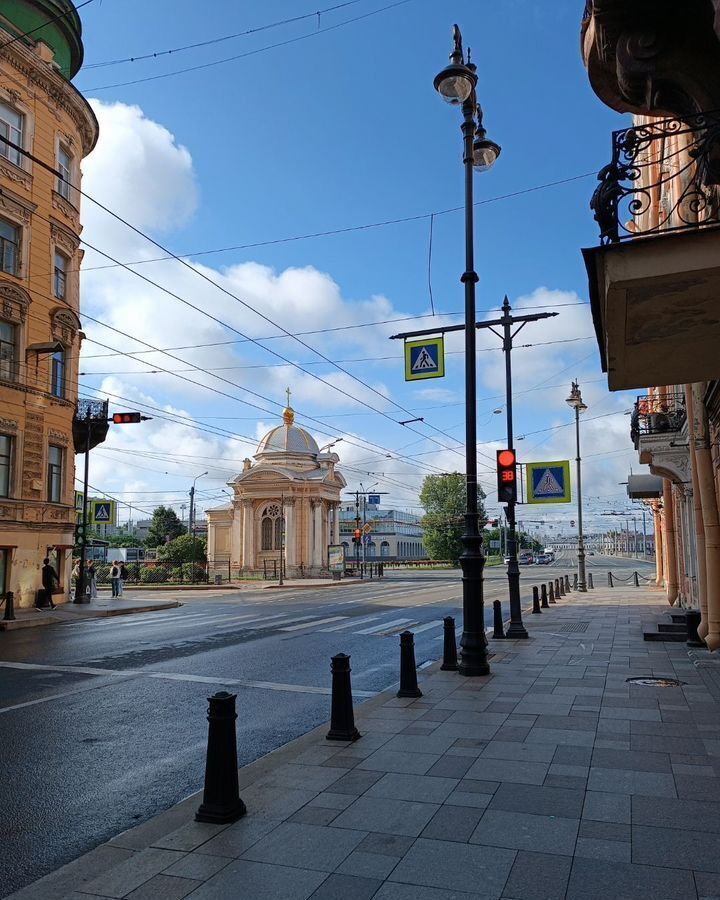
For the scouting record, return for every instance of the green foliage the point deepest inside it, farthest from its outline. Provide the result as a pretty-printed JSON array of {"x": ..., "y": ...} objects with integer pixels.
[
  {"x": 165, "y": 526},
  {"x": 181, "y": 550},
  {"x": 443, "y": 498}
]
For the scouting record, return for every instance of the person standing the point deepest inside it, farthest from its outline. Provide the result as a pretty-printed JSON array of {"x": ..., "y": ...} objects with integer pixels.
[
  {"x": 49, "y": 579},
  {"x": 91, "y": 579},
  {"x": 115, "y": 579},
  {"x": 123, "y": 578}
]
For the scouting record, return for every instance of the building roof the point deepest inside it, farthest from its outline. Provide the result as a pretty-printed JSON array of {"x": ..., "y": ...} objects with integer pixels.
[{"x": 288, "y": 438}]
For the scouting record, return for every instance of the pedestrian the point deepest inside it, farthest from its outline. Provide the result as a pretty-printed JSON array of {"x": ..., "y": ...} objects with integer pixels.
[
  {"x": 123, "y": 577},
  {"x": 115, "y": 579},
  {"x": 49, "y": 579},
  {"x": 74, "y": 576},
  {"x": 91, "y": 577}
]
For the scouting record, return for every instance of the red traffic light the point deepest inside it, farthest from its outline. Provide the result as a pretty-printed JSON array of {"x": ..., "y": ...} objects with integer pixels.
[
  {"x": 506, "y": 476},
  {"x": 126, "y": 418},
  {"x": 358, "y": 534},
  {"x": 506, "y": 457}
]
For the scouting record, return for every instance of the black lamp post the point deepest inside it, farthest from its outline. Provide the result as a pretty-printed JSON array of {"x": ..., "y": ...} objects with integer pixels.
[
  {"x": 456, "y": 85},
  {"x": 575, "y": 401}
]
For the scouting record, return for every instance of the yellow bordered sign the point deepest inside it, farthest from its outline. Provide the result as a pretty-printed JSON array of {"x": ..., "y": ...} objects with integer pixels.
[
  {"x": 424, "y": 359},
  {"x": 548, "y": 482}
]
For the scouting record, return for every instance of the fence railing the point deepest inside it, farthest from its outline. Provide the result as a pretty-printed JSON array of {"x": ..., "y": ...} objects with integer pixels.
[{"x": 657, "y": 415}]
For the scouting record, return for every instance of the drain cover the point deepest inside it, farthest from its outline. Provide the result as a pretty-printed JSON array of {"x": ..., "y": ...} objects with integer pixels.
[
  {"x": 649, "y": 681},
  {"x": 572, "y": 627}
]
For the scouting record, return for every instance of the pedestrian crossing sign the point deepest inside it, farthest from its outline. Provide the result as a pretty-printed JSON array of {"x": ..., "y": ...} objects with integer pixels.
[
  {"x": 102, "y": 512},
  {"x": 424, "y": 359},
  {"x": 548, "y": 482}
]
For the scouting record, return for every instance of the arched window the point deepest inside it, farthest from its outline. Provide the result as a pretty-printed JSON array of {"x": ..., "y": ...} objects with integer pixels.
[
  {"x": 271, "y": 527},
  {"x": 385, "y": 549},
  {"x": 267, "y": 533},
  {"x": 371, "y": 548},
  {"x": 278, "y": 533}
]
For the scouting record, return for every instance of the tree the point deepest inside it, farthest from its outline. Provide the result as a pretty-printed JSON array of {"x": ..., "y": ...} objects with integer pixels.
[
  {"x": 165, "y": 526},
  {"x": 443, "y": 498},
  {"x": 123, "y": 540},
  {"x": 180, "y": 550}
]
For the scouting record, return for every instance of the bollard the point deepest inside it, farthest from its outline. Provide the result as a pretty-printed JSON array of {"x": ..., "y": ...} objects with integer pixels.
[
  {"x": 567, "y": 584},
  {"x": 221, "y": 798},
  {"x": 551, "y": 592},
  {"x": 408, "y": 672},
  {"x": 536, "y": 601},
  {"x": 562, "y": 586},
  {"x": 557, "y": 589},
  {"x": 590, "y": 581},
  {"x": 636, "y": 580},
  {"x": 9, "y": 607},
  {"x": 543, "y": 597},
  {"x": 342, "y": 720},
  {"x": 610, "y": 580},
  {"x": 692, "y": 620},
  {"x": 450, "y": 663},
  {"x": 575, "y": 581},
  {"x": 497, "y": 620}
]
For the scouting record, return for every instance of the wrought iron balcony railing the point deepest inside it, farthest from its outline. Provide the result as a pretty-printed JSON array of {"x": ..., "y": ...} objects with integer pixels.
[
  {"x": 657, "y": 415},
  {"x": 664, "y": 176}
]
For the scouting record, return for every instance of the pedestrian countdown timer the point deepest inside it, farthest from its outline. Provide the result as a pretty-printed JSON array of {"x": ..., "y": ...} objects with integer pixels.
[{"x": 424, "y": 359}]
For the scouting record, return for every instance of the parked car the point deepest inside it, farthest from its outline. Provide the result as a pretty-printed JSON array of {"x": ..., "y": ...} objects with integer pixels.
[
  {"x": 542, "y": 559},
  {"x": 526, "y": 558}
]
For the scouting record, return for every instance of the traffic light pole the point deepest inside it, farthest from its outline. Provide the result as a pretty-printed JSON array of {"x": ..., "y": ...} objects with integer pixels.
[{"x": 80, "y": 581}]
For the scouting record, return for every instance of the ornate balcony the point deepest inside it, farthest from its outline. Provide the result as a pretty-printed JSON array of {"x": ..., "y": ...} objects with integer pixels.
[
  {"x": 654, "y": 298},
  {"x": 657, "y": 428}
]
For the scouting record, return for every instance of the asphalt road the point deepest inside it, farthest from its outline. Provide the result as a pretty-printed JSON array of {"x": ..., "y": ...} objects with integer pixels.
[{"x": 102, "y": 722}]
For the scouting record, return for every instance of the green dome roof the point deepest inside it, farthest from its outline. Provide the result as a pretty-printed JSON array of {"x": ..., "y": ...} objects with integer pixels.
[{"x": 64, "y": 35}]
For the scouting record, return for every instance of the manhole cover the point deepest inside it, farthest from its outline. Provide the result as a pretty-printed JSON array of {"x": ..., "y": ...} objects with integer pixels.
[
  {"x": 649, "y": 681},
  {"x": 571, "y": 627}
]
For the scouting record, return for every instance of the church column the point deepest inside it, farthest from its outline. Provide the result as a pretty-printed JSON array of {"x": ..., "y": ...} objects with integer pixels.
[
  {"x": 290, "y": 533},
  {"x": 236, "y": 537},
  {"x": 317, "y": 543},
  {"x": 336, "y": 523},
  {"x": 248, "y": 536}
]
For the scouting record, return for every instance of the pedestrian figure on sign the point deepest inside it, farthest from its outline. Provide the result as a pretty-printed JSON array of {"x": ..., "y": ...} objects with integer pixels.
[
  {"x": 91, "y": 579},
  {"x": 49, "y": 580},
  {"x": 123, "y": 578},
  {"x": 115, "y": 579}
]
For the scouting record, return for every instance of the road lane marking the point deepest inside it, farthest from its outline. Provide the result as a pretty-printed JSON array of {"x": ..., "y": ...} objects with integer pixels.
[
  {"x": 377, "y": 628},
  {"x": 312, "y": 624},
  {"x": 428, "y": 626},
  {"x": 352, "y": 623}
]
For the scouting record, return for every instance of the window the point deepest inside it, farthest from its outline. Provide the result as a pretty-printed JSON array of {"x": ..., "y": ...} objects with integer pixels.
[
  {"x": 11, "y": 128},
  {"x": 6, "y": 446},
  {"x": 55, "y": 467},
  {"x": 9, "y": 245},
  {"x": 271, "y": 528},
  {"x": 8, "y": 351},
  {"x": 267, "y": 533},
  {"x": 60, "y": 277},
  {"x": 64, "y": 164},
  {"x": 57, "y": 375}
]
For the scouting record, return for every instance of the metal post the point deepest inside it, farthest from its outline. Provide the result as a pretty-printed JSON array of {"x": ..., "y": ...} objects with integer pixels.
[
  {"x": 516, "y": 629},
  {"x": 342, "y": 718},
  {"x": 192, "y": 532},
  {"x": 408, "y": 671},
  {"x": 590, "y": 581},
  {"x": 582, "y": 581},
  {"x": 282, "y": 537},
  {"x": 81, "y": 581},
  {"x": 497, "y": 620},
  {"x": 543, "y": 597},
  {"x": 221, "y": 797},
  {"x": 357, "y": 526},
  {"x": 450, "y": 662},
  {"x": 551, "y": 592},
  {"x": 536, "y": 600},
  {"x": 473, "y": 643}
]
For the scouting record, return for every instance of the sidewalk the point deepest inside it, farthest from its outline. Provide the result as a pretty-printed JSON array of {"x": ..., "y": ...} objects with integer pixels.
[
  {"x": 551, "y": 778},
  {"x": 74, "y": 612}
]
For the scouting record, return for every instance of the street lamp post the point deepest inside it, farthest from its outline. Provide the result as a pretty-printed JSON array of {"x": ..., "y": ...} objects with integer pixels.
[
  {"x": 575, "y": 400},
  {"x": 192, "y": 525},
  {"x": 456, "y": 84}
]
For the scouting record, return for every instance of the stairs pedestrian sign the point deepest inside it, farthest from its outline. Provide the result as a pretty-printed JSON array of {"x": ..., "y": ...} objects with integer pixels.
[
  {"x": 424, "y": 359},
  {"x": 548, "y": 482}
]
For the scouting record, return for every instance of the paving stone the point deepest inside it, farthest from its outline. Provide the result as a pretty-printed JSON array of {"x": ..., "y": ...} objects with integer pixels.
[
  {"x": 614, "y": 744},
  {"x": 670, "y": 813},
  {"x": 467, "y": 731},
  {"x": 451, "y": 766},
  {"x": 355, "y": 782},
  {"x": 512, "y": 732},
  {"x": 522, "y": 831},
  {"x": 328, "y": 800},
  {"x": 606, "y": 831},
  {"x": 390, "y": 891},
  {"x": 389, "y": 816},
  {"x": 367, "y": 865},
  {"x": 386, "y": 844},
  {"x": 399, "y": 761},
  {"x": 305, "y": 846},
  {"x": 638, "y": 761},
  {"x": 512, "y": 750},
  {"x": 413, "y": 787},
  {"x": 573, "y": 771},
  {"x": 697, "y": 787},
  {"x": 453, "y": 823},
  {"x": 592, "y": 879},
  {"x": 419, "y": 728},
  {"x": 568, "y": 723},
  {"x": 557, "y": 736},
  {"x": 312, "y": 778},
  {"x": 596, "y": 848},
  {"x": 188, "y": 837},
  {"x": 261, "y": 882},
  {"x": 200, "y": 866},
  {"x": 618, "y": 726},
  {"x": 572, "y": 756},
  {"x": 538, "y": 876},
  {"x": 644, "y": 715},
  {"x": 708, "y": 886},
  {"x": 129, "y": 875},
  {"x": 665, "y": 729},
  {"x": 509, "y": 770},
  {"x": 239, "y": 837},
  {"x": 667, "y": 744},
  {"x": 416, "y": 743},
  {"x": 346, "y": 887},
  {"x": 677, "y": 848},
  {"x": 270, "y": 802},
  {"x": 570, "y": 782},
  {"x": 620, "y": 781},
  {"x": 436, "y": 715},
  {"x": 542, "y": 801},
  {"x": 466, "y": 798},
  {"x": 164, "y": 887},
  {"x": 313, "y": 815},
  {"x": 607, "y": 807},
  {"x": 480, "y": 871}
]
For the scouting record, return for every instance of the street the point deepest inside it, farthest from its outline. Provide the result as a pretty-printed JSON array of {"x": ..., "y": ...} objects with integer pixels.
[{"x": 103, "y": 722}]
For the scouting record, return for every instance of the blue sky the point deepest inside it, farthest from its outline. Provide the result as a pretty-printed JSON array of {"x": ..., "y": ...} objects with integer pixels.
[{"x": 341, "y": 129}]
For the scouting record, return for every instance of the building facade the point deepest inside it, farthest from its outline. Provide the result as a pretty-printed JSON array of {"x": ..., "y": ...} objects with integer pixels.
[
  {"x": 43, "y": 115},
  {"x": 284, "y": 510},
  {"x": 655, "y": 276},
  {"x": 393, "y": 534}
]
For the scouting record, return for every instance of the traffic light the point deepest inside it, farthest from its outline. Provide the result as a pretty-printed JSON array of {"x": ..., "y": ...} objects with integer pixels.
[
  {"x": 358, "y": 536},
  {"x": 80, "y": 536},
  {"x": 127, "y": 418},
  {"x": 506, "y": 476},
  {"x": 494, "y": 523}
]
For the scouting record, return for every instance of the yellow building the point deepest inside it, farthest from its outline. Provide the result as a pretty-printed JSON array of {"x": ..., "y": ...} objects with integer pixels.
[{"x": 44, "y": 115}]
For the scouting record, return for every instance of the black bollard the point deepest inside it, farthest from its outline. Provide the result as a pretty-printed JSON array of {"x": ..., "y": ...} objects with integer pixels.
[
  {"x": 551, "y": 592},
  {"x": 636, "y": 580},
  {"x": 562, "y": 586},
  {"x": 557, "y": 589},
  {"x": 692, "y": 620},
  {"x": 536, "y": 600},
  {"x": 567, "y": 584},
  {"x": 408, "y": 672},
  {"x": 543, "y": 596},
  {"x": 9, "y": 607},
  {"x": 221, "y": 797},
  {"x": 610, "y": 580},
  {"x": 590, "y": 581},
  {"x": 497, "y": 620},
  {"x": 575, "y": 581},
  {"x": 342, "y": 719},
  {"x": 450, "y": 663}
]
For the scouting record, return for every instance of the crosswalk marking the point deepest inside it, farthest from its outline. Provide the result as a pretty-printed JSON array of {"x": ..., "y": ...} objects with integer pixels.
[
  {"x": 313, "y": 624},
  {"x": 427, "y": 626},
  {"x": 384, "y": 626},
  {"x": 352, "y": 623}
]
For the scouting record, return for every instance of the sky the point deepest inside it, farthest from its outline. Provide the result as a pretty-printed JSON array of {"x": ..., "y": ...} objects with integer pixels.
[{"x": 330, "y": 123}]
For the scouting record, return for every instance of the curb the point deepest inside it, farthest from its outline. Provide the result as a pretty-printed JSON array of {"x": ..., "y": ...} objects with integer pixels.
[{"x": 33, "y": 622}]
